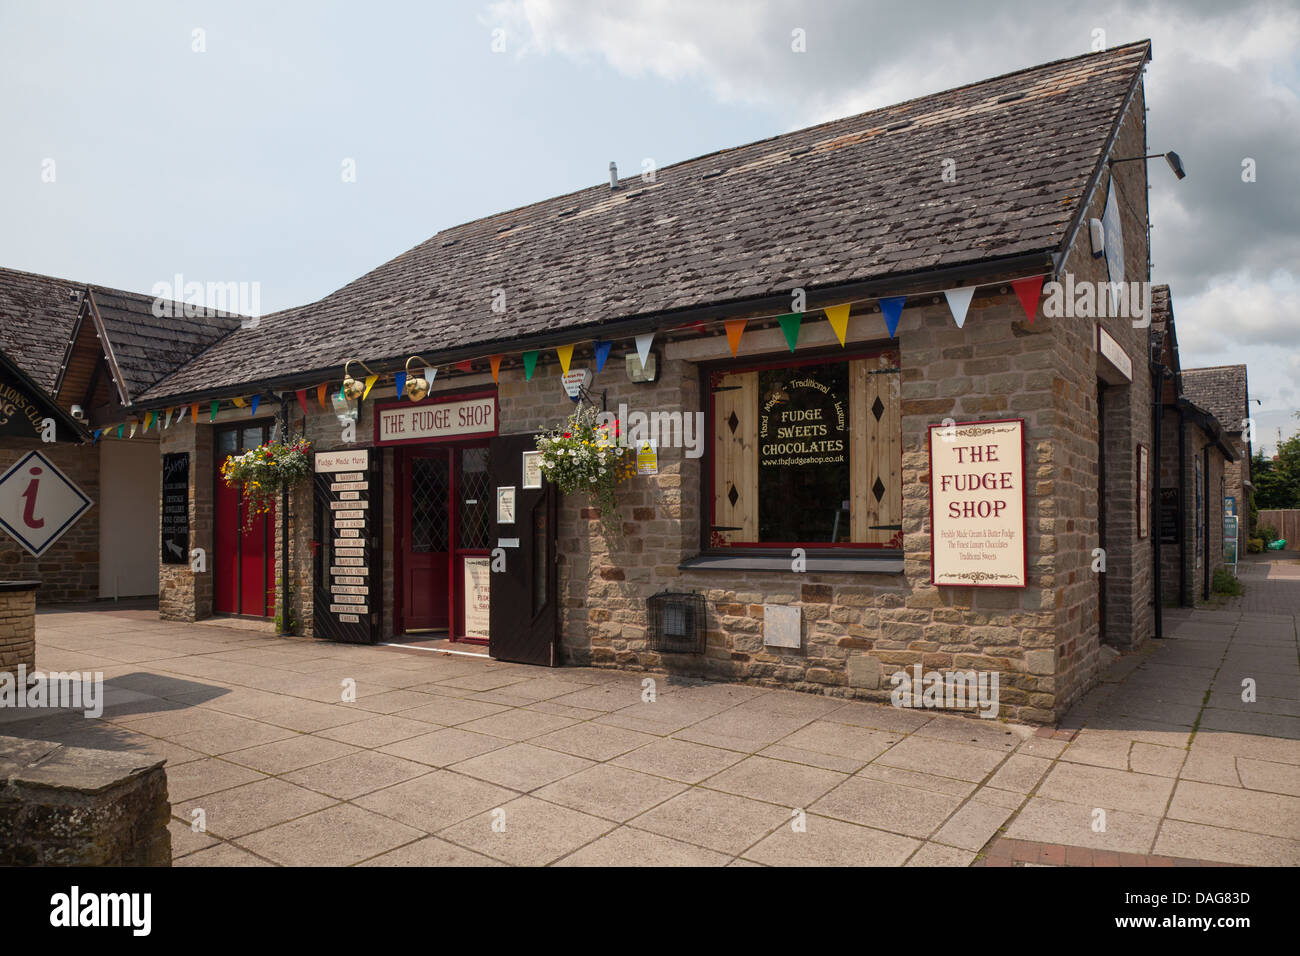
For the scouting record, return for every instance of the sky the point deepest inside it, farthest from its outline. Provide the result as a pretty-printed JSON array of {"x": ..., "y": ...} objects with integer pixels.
[{"x": 299, "y": 145}]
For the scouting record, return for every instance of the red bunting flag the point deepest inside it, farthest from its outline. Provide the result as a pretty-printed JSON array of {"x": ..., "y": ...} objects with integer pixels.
[
  {"x": 1028, "y": 291},
  {"x": 302, "y": 400},
  {"x": 465, "y": 365}
]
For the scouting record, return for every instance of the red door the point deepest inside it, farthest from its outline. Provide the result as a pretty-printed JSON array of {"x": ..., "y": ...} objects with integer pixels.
[
  {"x": 244, "y": 562},
  {"x": 425, "y": 492}
]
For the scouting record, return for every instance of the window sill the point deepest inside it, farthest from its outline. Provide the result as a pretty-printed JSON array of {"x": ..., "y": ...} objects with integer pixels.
[{"x": 829, "y": 561}]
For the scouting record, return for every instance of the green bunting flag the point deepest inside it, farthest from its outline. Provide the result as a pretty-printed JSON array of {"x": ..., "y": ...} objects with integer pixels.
[
  {"x": 790, "y": 323},
  {"x": 215, "y": 406},
  {"x": 530, "y": 363}
]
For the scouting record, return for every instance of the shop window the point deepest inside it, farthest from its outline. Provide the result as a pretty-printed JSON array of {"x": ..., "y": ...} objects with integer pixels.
[
  {"x": 807, "y": 454},
  {"x": 475, "y": 489}
]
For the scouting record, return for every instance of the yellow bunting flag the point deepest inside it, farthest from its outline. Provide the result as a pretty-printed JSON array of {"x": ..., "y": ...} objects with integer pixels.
[
  {"x": 735, "y": 329},
  {"x": 320, "y": 393},
  {"x": 495, "y": 360},
  {"x": 239, "y": 401},
  {"x": 565, "y": 352},
  {"x": 838, "y": 317},
  {"x": 370, "y": 383},
  {"x": 148, "y": 420}
]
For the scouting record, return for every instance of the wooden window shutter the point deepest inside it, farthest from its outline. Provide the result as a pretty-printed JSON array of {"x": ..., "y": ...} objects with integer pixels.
[
  {"x": 875, "y": 472},
  {"x": 735, "y": 448}
]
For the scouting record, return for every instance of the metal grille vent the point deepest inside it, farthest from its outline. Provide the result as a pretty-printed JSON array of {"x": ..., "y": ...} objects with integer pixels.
[{"x": 677, "y": 622}]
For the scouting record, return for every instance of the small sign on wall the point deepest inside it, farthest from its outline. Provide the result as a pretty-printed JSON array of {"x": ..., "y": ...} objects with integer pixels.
[
  {"x": 1144, "y": 493},
  {"x": 175, "y": 522},
  {"x": 781, "y": 625},
  {"x": 977, "y": 504},
  {"x": 532, "y": 470}
]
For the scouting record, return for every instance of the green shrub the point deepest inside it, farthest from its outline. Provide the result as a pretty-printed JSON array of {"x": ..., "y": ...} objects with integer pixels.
[
  {"x": 1269, "y": 534},
  {"x": 1255, "y": 545},
  {"x": 1225, "y": 583}
]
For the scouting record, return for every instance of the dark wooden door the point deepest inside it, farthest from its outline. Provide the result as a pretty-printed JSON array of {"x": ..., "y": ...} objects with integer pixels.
[
  {"x": 524, "y": 621},
  {"x": 244, "y": 559},
  {"x": 425, "y": 496}
]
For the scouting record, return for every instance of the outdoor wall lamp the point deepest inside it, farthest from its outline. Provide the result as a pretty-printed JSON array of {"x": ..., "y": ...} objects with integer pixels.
[
  {"x": 352, "y": 389},
  {"x": 416, "y": 386},
  {"x": 1173, "y": 159}
]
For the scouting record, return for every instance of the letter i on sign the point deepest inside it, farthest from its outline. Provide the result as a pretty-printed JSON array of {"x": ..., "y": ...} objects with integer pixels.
[{"x": 29, "y": 512}]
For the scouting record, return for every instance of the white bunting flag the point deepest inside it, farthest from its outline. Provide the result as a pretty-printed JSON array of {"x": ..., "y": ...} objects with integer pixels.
[
  {"x": 429, "y": 373},
  {"x": 959, "y": 302},
  {"x": 643, "y": 346}
]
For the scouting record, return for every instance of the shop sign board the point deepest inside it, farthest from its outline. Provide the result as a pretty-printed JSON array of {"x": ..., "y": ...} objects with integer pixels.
[
  {"x": 977, "y": 504},
  {"x": 458, "y": 417},
  {"x": 347, "y": 602}
]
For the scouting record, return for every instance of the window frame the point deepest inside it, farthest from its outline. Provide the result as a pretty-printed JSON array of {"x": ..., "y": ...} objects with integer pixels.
[{"x": 765, "y": 551}]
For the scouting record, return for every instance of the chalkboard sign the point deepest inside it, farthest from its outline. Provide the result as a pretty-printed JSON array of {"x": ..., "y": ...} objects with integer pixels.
[
  {"x": 1169, "y": 516},
  {"x": 349, "y": 514},
  {"x": 175, "y": 524}
]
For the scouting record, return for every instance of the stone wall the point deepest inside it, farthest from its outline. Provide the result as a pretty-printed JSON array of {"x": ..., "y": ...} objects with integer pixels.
[
  {"x": 17, "y": 626},
  {"x": 70, "y": 806},
  {"x": 69, "y": 569},
  {"x": 185, "y": 594}
]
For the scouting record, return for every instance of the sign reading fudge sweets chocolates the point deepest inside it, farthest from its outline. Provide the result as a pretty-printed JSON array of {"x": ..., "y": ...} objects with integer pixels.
[
  {"x": 347, "y": 601},
  {"x": 977, "y": 504}
]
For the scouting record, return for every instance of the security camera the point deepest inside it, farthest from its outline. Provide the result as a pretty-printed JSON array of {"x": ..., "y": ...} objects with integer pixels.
[{"x": 78, "y": 413}]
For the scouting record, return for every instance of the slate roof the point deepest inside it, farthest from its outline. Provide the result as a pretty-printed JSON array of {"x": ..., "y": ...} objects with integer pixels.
[
  {"x": 1220, "y": 390},
  {"x": 146, "y": 347},
  {"x": 36, "y": 317},
  {"x": 856, "y": 199}
]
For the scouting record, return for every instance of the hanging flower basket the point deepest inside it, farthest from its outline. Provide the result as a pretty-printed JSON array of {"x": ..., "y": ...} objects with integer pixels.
[
  {"x": 262, "y": 473},
  {"x": 583, "y": 456}
]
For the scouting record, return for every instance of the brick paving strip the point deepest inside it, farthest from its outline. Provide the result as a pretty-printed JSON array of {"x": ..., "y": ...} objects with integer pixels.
[{"x": 437, "y": 748}]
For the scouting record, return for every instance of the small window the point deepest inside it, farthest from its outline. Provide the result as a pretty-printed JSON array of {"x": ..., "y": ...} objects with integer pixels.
[{"x": 807, "y": 454}]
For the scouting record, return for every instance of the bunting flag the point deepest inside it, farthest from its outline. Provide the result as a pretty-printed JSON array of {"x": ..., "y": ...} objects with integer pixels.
[
  {"x": 602, "y": 353},
  {"x": 302, "y": 400},
  {"x": 496, "y": 367},
  {"x": 320, "y": 393},
  {"x": 790, "y": 323},
  {"x": 98, "y": 432},
  {"x": 119, "y": 431},
  {"x": 891, "y": 307},
  {"x": 1027, "y": 291},
  {"x": 429, "y": 374},
  {"x": 194, "y": 413},
  {"x": 465, "y": 365},
  {"x": 132, "y": 435},
  {"x": 168, "y": 422},
  {"x": 530, "y": 363},
  {"x": 239, "y": 401},
  {"x": 959, "y": 303},
  {"x": 370, "y": 383},
  {"x": 735, "y": 329},
  {"x": 256, "y": 400},
  {"x": 643, "y": 347},
  {"x": 838, "y": 317},
  {"x": 399, "y": 382},
  {"x": 215, "y": 406},
  {"x": 148, "y": 420},
  {"x": 565, "y": 353}
]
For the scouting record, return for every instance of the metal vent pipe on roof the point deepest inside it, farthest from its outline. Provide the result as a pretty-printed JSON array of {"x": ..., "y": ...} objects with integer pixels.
[{"x": 613, "y": 175}]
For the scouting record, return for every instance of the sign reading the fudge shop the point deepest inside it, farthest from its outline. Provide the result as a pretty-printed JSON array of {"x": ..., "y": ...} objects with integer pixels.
[
  {"x": 977, "y": 504},
  {"x": 175, "y": 522},
  {"x": 461, "y": 416},
  {"x": 347, "y": 602}
]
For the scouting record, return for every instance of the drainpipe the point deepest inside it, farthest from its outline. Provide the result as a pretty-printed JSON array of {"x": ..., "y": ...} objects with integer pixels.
[
  {"x": 1182, "y": 509},
  {"x": 284, "y": 527},
  {"x": 1157, "y": 405}
]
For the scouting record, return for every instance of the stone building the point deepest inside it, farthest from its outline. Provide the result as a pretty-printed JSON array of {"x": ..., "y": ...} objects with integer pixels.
[
  {"x": 77, "y": 356},
  {"x": 1223, "y": 391},
  {"x": 889, "y": 270}
]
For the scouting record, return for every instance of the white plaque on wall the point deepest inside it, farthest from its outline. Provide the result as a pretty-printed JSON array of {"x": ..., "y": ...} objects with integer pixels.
[{"x": 781, "y": 625}]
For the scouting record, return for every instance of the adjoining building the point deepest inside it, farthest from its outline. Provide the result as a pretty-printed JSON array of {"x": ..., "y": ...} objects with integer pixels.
[
  {"x": 1223, "y": 391},
  {"x": 1197, "y": 457},
  {"x": 78, "y": 497}
]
